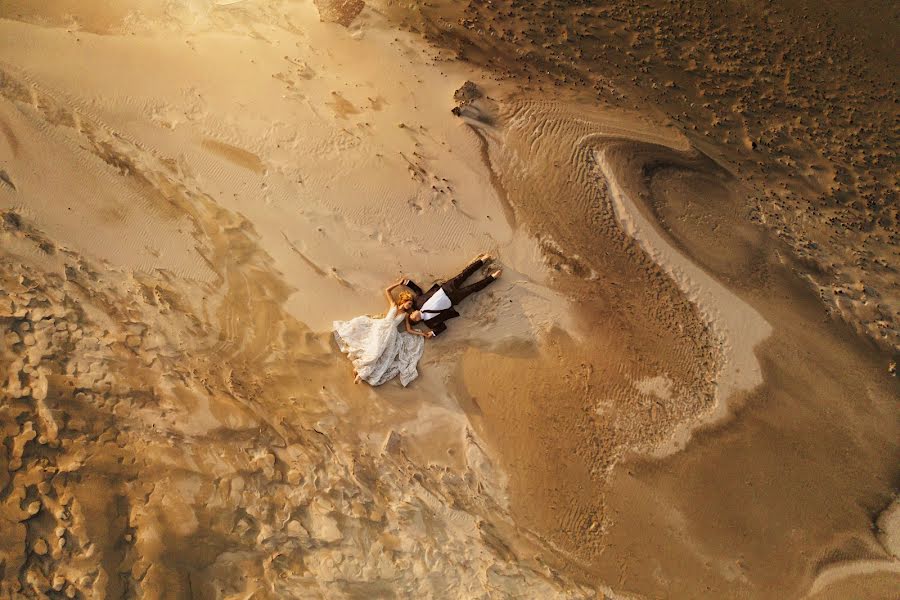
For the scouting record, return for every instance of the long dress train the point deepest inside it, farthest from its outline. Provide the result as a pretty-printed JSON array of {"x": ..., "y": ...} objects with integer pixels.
[{"x": 378, "y": 349}]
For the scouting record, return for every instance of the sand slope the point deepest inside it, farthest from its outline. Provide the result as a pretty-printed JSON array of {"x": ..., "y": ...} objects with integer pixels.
[
  {"x": 190, "y": 197},
  {"x": 649, "y": 402}
]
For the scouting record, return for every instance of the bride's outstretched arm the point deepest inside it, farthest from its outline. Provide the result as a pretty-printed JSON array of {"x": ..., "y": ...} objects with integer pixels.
[{"x": 388, "y": 290}]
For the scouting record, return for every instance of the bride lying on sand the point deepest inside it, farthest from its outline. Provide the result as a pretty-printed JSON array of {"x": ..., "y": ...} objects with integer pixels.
[{"x": 378, "y": 348}]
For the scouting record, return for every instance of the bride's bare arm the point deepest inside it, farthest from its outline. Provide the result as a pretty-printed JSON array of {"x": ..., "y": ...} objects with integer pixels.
[{"x": 388, "y": 290}]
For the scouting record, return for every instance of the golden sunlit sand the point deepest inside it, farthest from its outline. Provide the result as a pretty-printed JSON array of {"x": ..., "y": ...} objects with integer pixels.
[{"x": 682, "y": 386}]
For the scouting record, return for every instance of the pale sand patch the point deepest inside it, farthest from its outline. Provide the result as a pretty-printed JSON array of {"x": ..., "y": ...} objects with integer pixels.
[
  {"x": 889, "y": 528},
  {"x": 345, "y": 200},
  {"x": 83, "y": 202},
  {"x": 739, "y": 327},
  {"x": 835, "y": 574},
  {"x": 659, "y": 386}
]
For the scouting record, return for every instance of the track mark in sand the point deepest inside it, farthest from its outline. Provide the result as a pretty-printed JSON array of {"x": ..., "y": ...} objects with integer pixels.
[
  {"x": 508, "y": 211},
  {"x": 442, "y": 193},
  {"x": 341, "y": 106},
  {"x": 5, "y": 178},
  {"x": 239, "y": 156},
  {"x": 11, "y": 138},
  {"x": 318, "y": 270}
]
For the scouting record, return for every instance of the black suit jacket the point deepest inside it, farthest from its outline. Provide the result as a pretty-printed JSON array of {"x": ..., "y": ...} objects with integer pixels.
[{"x": 434, "y": 321}]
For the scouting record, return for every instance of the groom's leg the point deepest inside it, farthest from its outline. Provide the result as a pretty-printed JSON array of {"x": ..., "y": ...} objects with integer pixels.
[
  {"x": 460, "y": 294},
  {"x": 456, "y": 282}
]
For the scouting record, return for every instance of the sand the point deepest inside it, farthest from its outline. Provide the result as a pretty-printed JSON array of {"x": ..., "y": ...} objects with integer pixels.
[{"x": 680, "y": 386}]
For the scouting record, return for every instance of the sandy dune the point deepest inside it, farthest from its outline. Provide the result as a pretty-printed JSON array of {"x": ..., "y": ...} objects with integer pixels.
[{"x": 648, "y": 404}]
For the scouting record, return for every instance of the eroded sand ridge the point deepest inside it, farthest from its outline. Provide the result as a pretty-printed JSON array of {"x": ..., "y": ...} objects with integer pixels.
[{"x": 649, "y": 402}]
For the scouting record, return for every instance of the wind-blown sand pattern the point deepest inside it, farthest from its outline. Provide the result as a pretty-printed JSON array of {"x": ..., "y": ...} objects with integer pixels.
[
  {"x": 739, "y": 328},
  {"x": 654, "y": 401}
]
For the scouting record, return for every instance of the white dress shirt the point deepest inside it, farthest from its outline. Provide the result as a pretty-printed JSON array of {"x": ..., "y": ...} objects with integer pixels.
[{"x": 439, "y": 301}]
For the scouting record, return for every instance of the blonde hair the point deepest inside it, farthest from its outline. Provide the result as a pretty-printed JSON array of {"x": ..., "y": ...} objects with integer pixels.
[{"x": 404, "y": 297}]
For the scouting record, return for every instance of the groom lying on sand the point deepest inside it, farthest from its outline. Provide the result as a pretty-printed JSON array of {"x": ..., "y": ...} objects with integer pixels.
[{"x": 435, "y": 307}]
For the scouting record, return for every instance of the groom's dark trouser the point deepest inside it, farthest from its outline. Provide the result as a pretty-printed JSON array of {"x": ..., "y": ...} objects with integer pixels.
[{"x": 455, "y": 289}]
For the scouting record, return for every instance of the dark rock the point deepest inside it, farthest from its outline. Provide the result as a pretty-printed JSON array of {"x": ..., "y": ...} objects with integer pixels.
[{"x": 467, "y": 94}]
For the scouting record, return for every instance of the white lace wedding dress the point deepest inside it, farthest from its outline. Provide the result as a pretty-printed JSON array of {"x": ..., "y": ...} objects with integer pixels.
[{"x": 378, "y": 349}]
